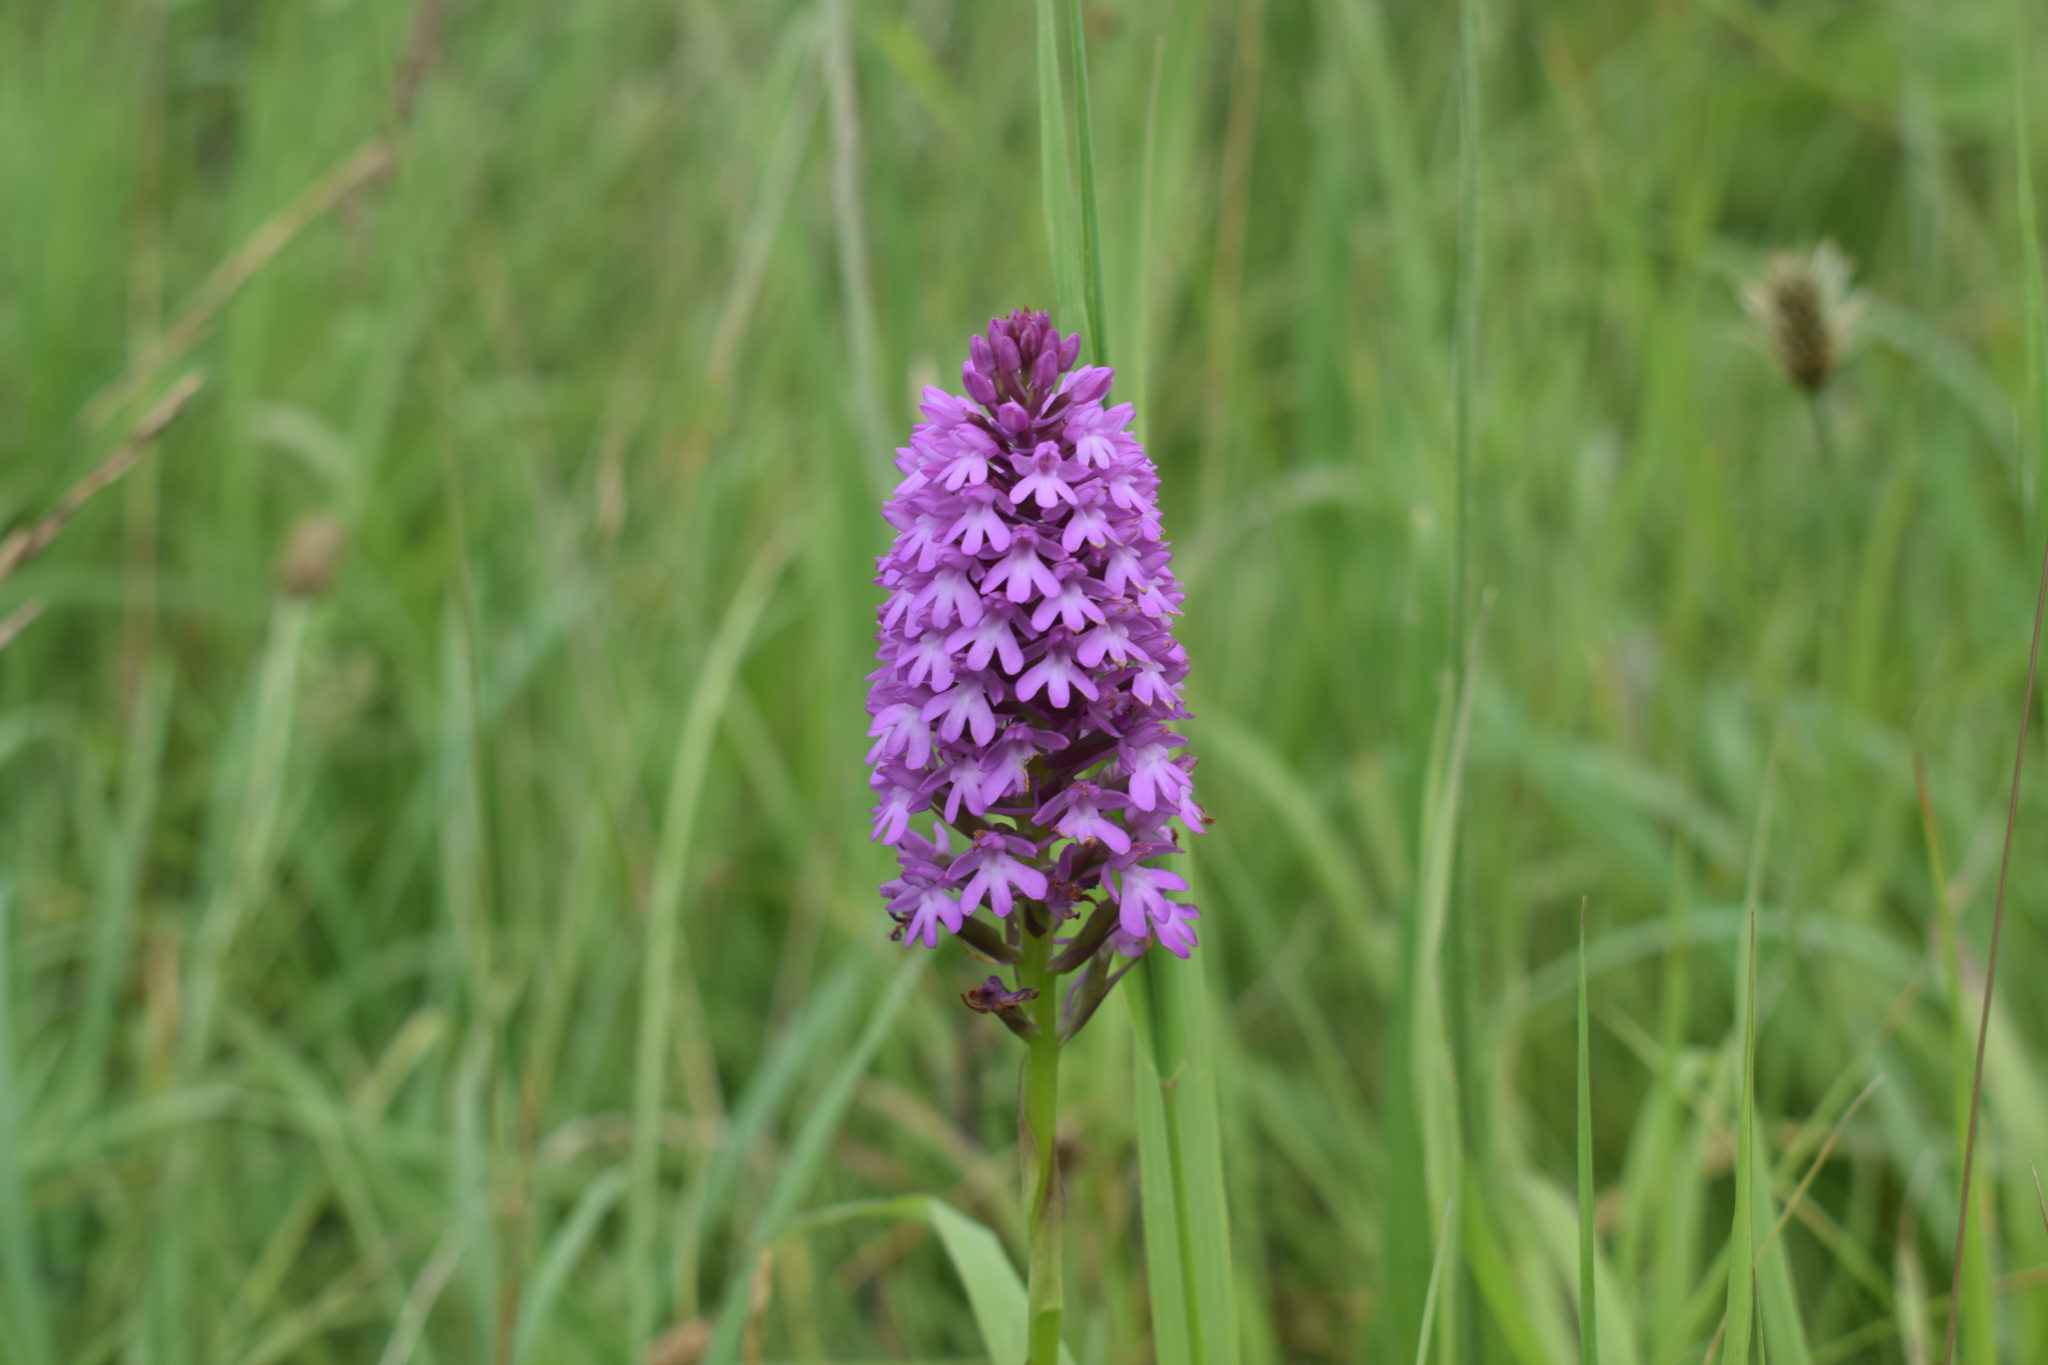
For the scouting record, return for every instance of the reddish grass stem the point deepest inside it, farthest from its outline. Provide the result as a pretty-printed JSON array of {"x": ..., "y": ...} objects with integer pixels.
[
  {"x": 18, "y": 547},
  {"x": 2012, "y": 811}
]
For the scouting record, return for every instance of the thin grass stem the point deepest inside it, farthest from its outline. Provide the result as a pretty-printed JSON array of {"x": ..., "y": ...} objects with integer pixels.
[
  {"x": 2012, "y": 812},
  {"x": 1589, "y": 1342},
  {"x": 1823, "y": 427}
]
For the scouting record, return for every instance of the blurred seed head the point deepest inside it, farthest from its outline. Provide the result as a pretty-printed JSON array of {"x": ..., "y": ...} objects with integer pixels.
[
  {"x": 311, "y": 556},
  {"x": 683, "y": 1344},
  {"x": 1807, "y": 311}
]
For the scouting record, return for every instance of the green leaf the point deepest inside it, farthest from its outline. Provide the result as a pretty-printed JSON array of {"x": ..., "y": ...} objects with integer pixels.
[
  {"x": 1056, "y": 184},
  {"x": 1180, "y": 1166},
  {"x": 995, "y": 1292},
  {"x": 1091, "y": 215}
]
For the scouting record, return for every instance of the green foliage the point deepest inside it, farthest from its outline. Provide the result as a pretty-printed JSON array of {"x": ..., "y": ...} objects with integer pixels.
[
  {"x": 990, "y": 1282},
  {"x": 479, "y": 961},
  {"x": 1188, "y": 1263}
]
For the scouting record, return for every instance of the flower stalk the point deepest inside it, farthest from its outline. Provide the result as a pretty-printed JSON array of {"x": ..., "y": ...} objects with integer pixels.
[{"x": 1040, "y": 1130}]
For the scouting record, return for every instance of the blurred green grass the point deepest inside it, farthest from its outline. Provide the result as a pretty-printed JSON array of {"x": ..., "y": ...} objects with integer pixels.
[{"x": 462, "y": 964}]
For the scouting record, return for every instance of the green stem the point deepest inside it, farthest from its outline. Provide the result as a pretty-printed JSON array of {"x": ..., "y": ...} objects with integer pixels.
[
  {"x": 1823, "y": 429},
  {"x": 1041, "y": 1129}
]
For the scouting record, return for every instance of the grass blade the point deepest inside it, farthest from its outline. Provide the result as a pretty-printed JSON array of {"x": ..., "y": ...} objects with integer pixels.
[
  {"x": 27, "y": 1312},
  {"x": 20, "y": 546},
  {"x": 827, "y": 1015},
  {"x": 849, "y": 219},
  {"x": 1465, "y": 345},
  {"x": 1433, "y": 1016},
  {"x": 1820, "y": 1159},
  {"x": 2030, "y": 240},
  {"x": 1436, "y": 1272},
  {"x": 1487, "y": 1250},
  {"x": 1056, "y": 183},
  {"x": 1909, "y": 1299},
  {"x": 1161, "y": 1048},
  {"x": 1742, "y": 1240},
  {"x": 807, "y": 1154},
  {"x": 1460, "y": 1117},
  {"x": 1975, "y": 1306},
  {"x": 122, "y": 866},
  {"x": 1589, "y": 1332},
  {"x": 1180, "y": 1164},
  {"x": 2037, "y": 355},
  {"x": 560, "y": 1259},
  {"x": 1780, "y": 1313},
  {"x": 1741, "y": 1313},
  {"x": 1091, "y": 215},
  {"x": 662, "y": 964},
  {"x": 2012, "y": 811}
]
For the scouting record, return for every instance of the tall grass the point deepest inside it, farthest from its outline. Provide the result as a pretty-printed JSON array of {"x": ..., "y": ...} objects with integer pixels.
[{"x": 479, "y": 961}]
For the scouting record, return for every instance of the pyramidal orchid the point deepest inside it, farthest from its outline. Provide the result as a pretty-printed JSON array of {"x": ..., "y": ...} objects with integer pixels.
[{"x": 1026, "y": 765}]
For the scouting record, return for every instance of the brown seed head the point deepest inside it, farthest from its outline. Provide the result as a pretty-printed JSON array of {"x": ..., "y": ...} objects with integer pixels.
[
  {"x": 311, "y": 556},
  {"x": 1807, "y": 312}
]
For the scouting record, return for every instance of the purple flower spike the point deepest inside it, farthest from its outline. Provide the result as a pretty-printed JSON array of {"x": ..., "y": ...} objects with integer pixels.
[{"x": 1029, "y": 693}]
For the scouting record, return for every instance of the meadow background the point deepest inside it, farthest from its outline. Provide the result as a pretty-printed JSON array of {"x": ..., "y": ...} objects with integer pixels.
[{"x": 470, "y": 954}]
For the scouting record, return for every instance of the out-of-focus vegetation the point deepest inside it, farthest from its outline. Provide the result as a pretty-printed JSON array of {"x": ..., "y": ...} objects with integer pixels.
[{"x": 461, "y": 956}]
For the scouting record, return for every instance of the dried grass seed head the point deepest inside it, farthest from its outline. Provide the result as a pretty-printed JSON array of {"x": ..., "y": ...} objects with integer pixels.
[{"x": 1808, "y": 312}]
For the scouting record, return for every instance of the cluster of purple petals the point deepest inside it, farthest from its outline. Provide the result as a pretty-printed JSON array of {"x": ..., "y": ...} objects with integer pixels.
[{"x": 1024, "y": 710}]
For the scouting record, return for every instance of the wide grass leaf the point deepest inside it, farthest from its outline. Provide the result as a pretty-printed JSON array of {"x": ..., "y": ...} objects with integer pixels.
[
  {"x": 1180, "y": 1167},
  {"x": 995, "y": 1292}
]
